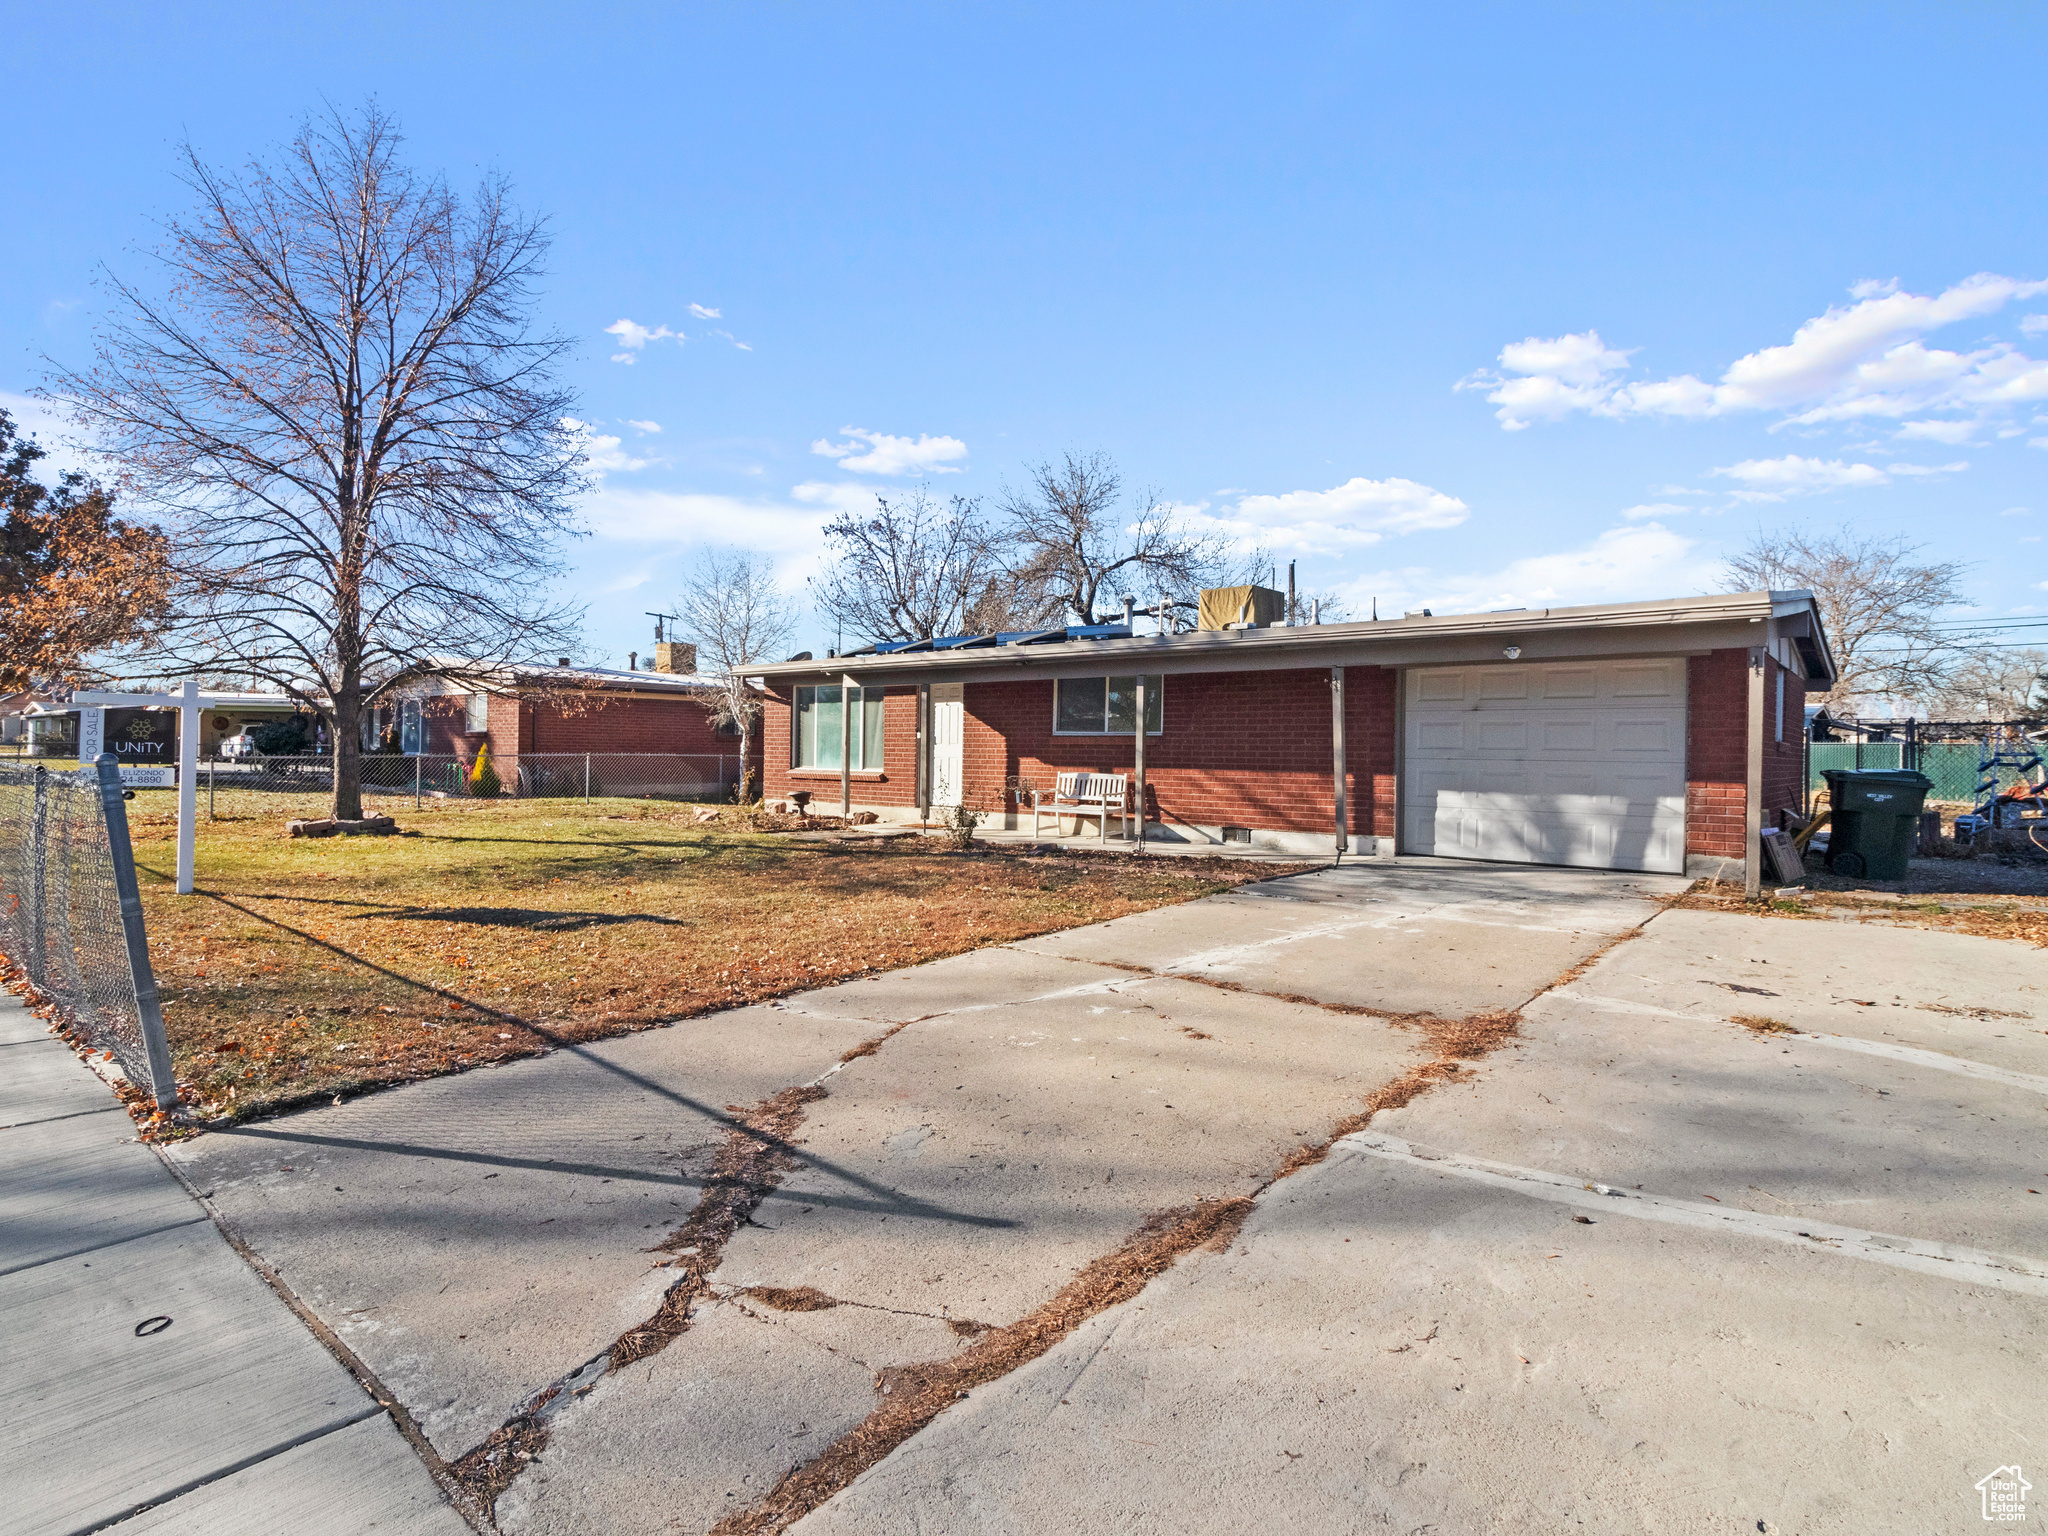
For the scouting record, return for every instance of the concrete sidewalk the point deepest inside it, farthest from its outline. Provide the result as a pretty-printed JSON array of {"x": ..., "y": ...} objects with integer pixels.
[{"x": 227, "y": 1417}]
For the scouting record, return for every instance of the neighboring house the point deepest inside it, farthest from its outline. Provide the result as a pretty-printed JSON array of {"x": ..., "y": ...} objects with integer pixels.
[
  {"x": 541, "y": 716},
  {"x": 48, "y": 723},
  {"x": 1630, "y": 736}
]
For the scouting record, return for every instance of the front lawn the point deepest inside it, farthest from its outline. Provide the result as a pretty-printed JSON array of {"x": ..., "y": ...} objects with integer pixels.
[{"x": 307, "y": 968}]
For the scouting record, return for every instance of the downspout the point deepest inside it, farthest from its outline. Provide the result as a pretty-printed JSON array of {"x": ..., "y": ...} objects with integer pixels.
[
  {"x": 1337, "y": 760},
  {"x": 1753, "y": 780},
  {"x": 846, "y": 686},
  {"x": 1140, "y": 754}
]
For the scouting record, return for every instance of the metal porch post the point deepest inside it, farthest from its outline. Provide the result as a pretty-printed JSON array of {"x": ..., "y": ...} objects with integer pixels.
[
  {"x": 1337, "y": 760},
  {"x": 1753, "y": 781},
  {"x": 924, "y": 752},
  {"x": 1140, "y": 755},
  {"x": 845, "y": 745}
]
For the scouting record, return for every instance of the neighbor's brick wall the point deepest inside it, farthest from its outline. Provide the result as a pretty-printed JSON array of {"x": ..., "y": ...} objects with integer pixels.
[{"x": 1717, "y": 711}]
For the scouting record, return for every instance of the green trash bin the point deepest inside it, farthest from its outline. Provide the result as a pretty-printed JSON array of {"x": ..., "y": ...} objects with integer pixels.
[{"x": 1874, "y": 820}]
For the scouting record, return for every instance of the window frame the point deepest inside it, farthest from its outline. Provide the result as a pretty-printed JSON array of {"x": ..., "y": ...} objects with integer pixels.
[
  {"x": 1155, "y": 688},
  {"x": 470, "y": 711},
  {"x": 865, "y": 748}
]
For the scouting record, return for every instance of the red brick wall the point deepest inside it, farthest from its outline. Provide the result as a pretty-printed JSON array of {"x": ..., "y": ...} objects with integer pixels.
[
  {"x": 1239, "y": 748},
  {"x": 1247, "y": 749},
  {"x": 613, "y": 725},
  {"x": 1784, "y": 761},
  {"x": 895, "y": 784}
]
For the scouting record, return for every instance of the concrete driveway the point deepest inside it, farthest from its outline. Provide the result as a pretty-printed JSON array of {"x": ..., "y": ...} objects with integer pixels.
[
  {"x": 478, "y": 1240},
  {"x": 1804, "y": 1295},
  {"x": 1651, "y": 1270}
]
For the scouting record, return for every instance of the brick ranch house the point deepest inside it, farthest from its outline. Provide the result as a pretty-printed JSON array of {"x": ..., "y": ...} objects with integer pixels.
[
  {"x": 536, "y": 717},
  {"x": 1655, "y": 736}
]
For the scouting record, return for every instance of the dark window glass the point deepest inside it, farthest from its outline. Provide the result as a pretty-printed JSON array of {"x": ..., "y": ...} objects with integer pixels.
[{"x": 1080, "y": 704}]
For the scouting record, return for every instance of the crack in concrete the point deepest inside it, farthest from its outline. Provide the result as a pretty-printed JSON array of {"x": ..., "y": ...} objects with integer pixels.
[
  {"x": 930, "y": 1388},
  {"x": 757, "y": 1154}
]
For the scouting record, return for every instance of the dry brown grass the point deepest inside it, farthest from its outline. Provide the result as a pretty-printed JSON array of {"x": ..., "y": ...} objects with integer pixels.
[
  {"x": 2020, "y": 918},
  {"x": 492, "y": 930},
  {"x": 1758, "y": 1024}
]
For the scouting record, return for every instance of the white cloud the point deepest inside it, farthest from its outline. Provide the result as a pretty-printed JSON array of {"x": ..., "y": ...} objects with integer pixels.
[
  {"x": 2034, "y": 325},
  {"x": 1796, "y": 475},
  {"x": 603, "y": 453},
  {"x": 1349, "y": 516},
  {"x": 2017, "y": 512},
  {"x": 1554, "y": 378},
  {"x": 633, "y": 336},
  {"x": 1654, "y": 509},
  {"x": 788, "y": 533},
  {"x": 701, "y": 313},
  {"x": 1859, "y": 360},
  {"x": 1638, "y": 563},
  {"x": 887, "y": 455},
  {"x": 643, "y": 426},
  {"x": 1949, "y": 432}
]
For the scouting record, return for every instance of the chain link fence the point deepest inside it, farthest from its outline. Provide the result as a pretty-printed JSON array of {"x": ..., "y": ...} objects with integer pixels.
[
  {"x": 271, "y": 783},
  {"x": 71, "y": 918},
  {"x": 1947, "y": 754}
]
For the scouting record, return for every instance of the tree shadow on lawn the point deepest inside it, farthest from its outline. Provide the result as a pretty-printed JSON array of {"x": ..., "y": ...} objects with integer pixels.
[{"x": 535, "y": 919}]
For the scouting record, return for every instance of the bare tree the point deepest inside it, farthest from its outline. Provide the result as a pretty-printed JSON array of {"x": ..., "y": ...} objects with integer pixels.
[
  {"x": 1878, "y": 603},
  {"x": 1076, "y": 549},
  {"x": 1991, "y": 684},
  {"x": 738, "y": 617},
  {"x": 911, "y": 569},
  {"x": 340, "y": 412}
]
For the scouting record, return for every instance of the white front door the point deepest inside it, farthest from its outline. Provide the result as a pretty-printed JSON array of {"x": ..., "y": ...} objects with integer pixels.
[
  {"x": 949, "y": 720},
  {"x": 1548, "y": 763}
]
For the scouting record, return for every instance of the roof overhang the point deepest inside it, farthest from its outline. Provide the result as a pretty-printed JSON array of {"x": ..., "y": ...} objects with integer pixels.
[{"x": 1683, "y": 626}]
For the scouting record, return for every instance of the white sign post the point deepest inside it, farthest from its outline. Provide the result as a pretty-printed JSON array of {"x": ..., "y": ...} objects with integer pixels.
[{"x": 189, "y": 701}]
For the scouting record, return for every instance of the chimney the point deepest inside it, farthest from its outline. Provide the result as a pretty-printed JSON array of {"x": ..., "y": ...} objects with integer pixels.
[
  {"x": 675, "y": 656},
  {"x": 561, "y": 661},
  {"x": 632, "y": 661}
]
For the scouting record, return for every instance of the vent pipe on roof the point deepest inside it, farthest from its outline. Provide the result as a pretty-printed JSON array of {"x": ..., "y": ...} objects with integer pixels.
[{"x": 632, "y": 661}]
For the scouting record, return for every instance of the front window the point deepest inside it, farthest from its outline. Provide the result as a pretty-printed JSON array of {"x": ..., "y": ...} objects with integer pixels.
[
  {"x": 821, "y": 715},
  {"x": 479, "y": 714},
  {"x": 411, "y": 738},
  {"x": 1099, "y": 706}
]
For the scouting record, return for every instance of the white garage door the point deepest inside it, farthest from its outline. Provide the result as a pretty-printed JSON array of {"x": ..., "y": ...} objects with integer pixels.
[{"x": 1548, "y": 763}]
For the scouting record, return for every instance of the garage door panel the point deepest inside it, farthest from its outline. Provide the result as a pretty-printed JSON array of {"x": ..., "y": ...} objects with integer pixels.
[{"x": 1573, "y": 763}]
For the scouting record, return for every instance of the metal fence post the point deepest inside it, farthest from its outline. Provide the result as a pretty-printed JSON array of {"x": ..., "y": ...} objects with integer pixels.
[
  {"x": 148, "y": 1011},
  {"x": 586, "y": 778},
  {"x": 37, "y": 958},
  {"x": 209, "y": 789},
  {"x": 415, "y": 783}
]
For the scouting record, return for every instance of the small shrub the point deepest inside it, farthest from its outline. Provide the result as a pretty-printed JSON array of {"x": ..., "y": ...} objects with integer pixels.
[
  {"x": 960, "y": 823},
  {"x": 483, "y": 778},
  {"x": 289, "y": 737}
]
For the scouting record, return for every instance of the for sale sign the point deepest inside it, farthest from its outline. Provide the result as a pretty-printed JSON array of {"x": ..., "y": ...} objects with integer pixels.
[{"x": 142, "y": 738}]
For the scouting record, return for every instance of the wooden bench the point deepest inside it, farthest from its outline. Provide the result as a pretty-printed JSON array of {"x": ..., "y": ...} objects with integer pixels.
[{"x": 1101, "y": 795}]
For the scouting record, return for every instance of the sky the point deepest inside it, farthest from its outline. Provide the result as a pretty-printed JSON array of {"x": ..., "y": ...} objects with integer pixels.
[{"x": 1467, "y": 307}]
